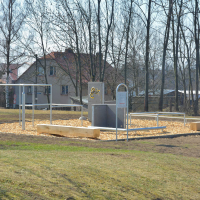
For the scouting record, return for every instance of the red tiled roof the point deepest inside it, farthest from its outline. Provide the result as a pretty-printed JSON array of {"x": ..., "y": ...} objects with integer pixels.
[{"x": 67, "y": 60}]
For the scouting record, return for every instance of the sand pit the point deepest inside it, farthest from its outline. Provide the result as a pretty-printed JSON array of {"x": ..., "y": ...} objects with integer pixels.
[{"x": 172, "y": 128}]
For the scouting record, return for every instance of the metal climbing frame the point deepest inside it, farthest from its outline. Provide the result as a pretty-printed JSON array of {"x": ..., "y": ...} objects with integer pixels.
[
  {"x": 23, "y": 105},
  {"x": 22, "y": 100}
]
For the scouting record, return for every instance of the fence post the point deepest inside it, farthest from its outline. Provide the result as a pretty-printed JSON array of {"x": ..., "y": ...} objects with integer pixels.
[{"x": 23, "y": 109}]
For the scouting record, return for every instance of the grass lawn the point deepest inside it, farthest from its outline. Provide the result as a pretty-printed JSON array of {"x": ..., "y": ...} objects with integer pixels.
[{"x": 44, "y": 171}]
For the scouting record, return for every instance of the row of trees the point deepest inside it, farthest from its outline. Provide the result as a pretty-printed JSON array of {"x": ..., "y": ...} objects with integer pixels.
[{"x": 144, "y": 40}]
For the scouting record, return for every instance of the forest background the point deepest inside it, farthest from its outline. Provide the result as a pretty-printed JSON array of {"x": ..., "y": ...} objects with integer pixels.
[{"x": 154, "y": 45}]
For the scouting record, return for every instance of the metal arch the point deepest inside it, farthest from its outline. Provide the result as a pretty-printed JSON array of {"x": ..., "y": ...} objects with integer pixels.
[
  {"x": 123, "y": 85},
  {"x": 126, "y": 105}
]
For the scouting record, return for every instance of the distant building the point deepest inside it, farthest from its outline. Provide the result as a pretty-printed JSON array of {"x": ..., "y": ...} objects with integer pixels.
[
  {"x": 189, "y": 95},
  {"x": 61, "y": 70}
]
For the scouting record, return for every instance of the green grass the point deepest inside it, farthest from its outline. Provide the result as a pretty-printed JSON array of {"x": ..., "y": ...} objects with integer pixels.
[{"x": 44, "y": 171}]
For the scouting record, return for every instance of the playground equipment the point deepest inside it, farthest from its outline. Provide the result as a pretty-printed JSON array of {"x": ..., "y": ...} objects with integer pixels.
[
  {"x": 95, "y": 96},
  {"x": 104, "y": 115},
  {"x": 23, "y": 105},
  {"x": 157, "y": 115},
  {"x": 122, "y": 102},
  {"x": 195, "y": 126},
  {"x": 119, "y": 111}
]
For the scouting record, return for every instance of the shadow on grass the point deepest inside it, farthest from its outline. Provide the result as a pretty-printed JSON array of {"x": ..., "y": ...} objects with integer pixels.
[
  {"x": 167, "y": 145},
  {"x": 3, "y": 194}
]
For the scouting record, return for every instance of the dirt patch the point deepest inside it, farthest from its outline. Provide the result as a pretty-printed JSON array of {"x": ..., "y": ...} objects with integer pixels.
[
  {"x": 172, "y": 128},
  {"x": 186, "y": 146}
]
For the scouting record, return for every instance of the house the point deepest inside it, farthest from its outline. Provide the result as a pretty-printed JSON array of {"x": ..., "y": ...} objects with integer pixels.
[
  {"x": 62, "y": 73},
  {"x": 189, "y": 95}
]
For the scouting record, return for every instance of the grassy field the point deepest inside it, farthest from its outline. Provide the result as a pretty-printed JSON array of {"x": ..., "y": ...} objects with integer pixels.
[
  {"x": 44, "y": 171},
  {"x": 75, "y": 169}
]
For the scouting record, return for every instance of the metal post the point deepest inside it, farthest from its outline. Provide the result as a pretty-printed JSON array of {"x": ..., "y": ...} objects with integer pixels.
[
  {"x": 116, "y": 115},
  {"x": 157, "y": 120},
  {"x": 127, "y": 111},
  {"x": 122, "y": 107},
  {"x": 51, "y": 105},
  {"x": 184, "y": 119},
  {"x": 36, "y": 75},
  {"x": 20, "y": 102},
  {"x": 23, "y": 109},
  {"x": 33, "y": 104},
  {"x": 81, "y": 115}
]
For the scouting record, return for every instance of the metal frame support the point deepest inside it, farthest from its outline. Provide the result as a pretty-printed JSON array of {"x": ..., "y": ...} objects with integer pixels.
[
  {"x": 23, "y": 105},
  {"x": 20, "y": 101},
  {"x": 33, "y": 102},
  {"x": 23, "y": 108},
  {"x": 51, "y": 105},
  {"x": 160, "y": 114},
  {"x": 81, "y": 115}
]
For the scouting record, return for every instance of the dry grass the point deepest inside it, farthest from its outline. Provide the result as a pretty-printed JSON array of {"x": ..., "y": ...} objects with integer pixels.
[
  {"x": 41, "y": 171},
  {"x": 31, "y": 170}
]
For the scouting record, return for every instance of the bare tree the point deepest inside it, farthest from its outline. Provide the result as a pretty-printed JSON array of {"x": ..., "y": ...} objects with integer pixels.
[
  {"x": 165, "y": 44},
  {"x": 69, "y": 25},
  {"x": 127, "y": 39},
  {"x": 147, "y": 57},
  {"x": 11, "y": 21},
  {"x": 188, "y": 62},
  {"x": 108, "y": 27},
  {"x": 197, "y": 37},
  {"x": 89, "y": 17},
  {"x": 38, "y": 23},
  {"x": 175, "y": 47}
]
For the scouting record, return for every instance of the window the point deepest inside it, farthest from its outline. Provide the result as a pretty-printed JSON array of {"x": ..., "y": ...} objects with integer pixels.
[
  {"x": 52, "y": 71},
  {"x": 40, "y": 71},
  {"x": 29, "y": 89},
  {"x": 48, "y": 88},
  {"x": 64, "y": 89}
]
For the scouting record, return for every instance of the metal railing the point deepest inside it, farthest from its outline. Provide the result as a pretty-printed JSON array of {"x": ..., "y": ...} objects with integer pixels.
[
  {"x": 23, "y": 105},
  {"x": 157, "y": 115}
]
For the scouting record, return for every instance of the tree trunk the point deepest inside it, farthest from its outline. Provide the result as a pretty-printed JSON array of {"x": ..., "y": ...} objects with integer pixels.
[
  {"x": 196, "y": 34},
  {"x": 147, "y": 59},
  {"x": 107, "y": 36},
  {"x": 189, "y": 68},
  {"x": 175, "y": 54},
  {"x": 99, "y": 36},
  {"x": 166, "y": 39},
  {"x": 127, "y": 41}
]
